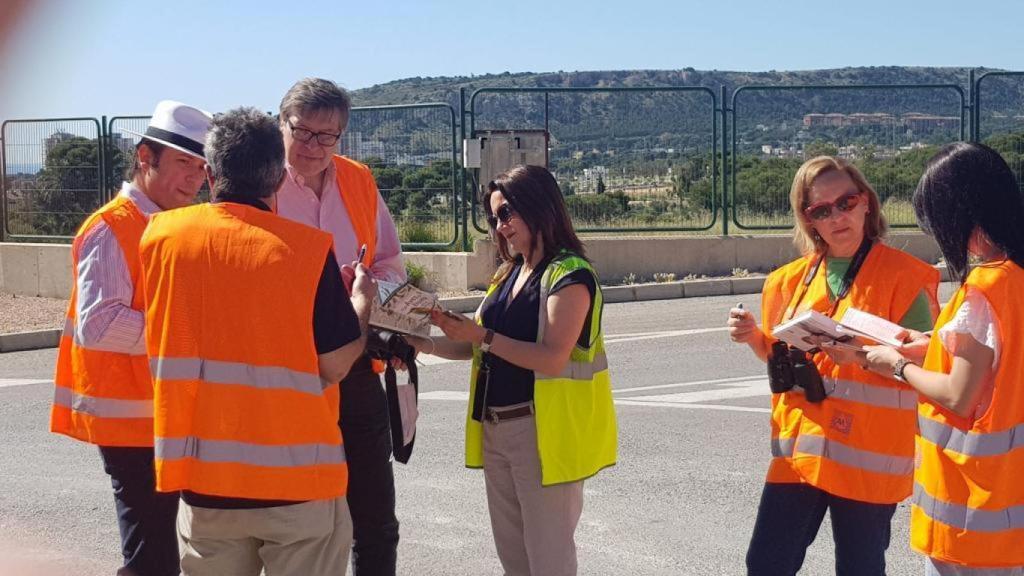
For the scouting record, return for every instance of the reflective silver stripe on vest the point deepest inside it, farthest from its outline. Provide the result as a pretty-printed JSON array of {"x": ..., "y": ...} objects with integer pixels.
[
  {"x": 102, "y": 407},
  {"x": 219, "y": 372},
  {"x": 783, "y": 447},
  {"x": 873, "y": 395},
  {"x": 970, "y": 443},
  {"x": 583, "y": 370},
  {"x": 223, "y": 451},
  {"x": 964, "y": 518},
  {"x": 841, "y": 453},
  {"x": 69, "y": 328}
]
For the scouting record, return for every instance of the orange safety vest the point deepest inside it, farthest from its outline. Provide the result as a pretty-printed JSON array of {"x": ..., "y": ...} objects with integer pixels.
[
  {"x": 240, "y": 408},
  {"x": 359, "y": 195},
  {"x": 859, "y": 442},
  {"x": 104, "y": 398},
  {"x": 968, "y": 504}
]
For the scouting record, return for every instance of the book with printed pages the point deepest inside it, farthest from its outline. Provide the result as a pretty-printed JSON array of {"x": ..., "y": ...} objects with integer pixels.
[
  {"x": 812, "y": 329},
  {"x": 402, "y": 308}
]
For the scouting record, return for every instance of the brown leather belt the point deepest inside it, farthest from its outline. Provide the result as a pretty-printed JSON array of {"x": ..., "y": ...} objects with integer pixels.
[{"x": 498, "y": 415}]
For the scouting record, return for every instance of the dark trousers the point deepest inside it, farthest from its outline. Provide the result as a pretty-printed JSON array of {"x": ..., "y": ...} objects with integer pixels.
[
  {"x": 371, "y": 480},
  {"x": 788, "y": 520},
  {"x": 146, "y": 518}
]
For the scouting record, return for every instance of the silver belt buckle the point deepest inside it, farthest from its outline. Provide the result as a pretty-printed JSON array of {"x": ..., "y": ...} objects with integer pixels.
[{"x": 492, "y": 415}]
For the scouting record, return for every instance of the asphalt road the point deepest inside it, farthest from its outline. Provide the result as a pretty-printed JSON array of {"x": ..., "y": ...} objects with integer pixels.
[{"x": 693, "y": 450}]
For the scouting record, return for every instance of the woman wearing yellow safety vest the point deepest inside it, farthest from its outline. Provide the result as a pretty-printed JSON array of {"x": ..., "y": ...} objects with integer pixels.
[
  {"x": 540, "y": 418},
  {"x": 842, "y": 437},
  {"x": 968, "y": 505}
]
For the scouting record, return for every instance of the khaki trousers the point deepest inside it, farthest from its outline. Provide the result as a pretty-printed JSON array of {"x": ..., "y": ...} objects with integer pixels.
[
  {"x": 533, "y": 525},
  {"x": 308, "y": 539}
]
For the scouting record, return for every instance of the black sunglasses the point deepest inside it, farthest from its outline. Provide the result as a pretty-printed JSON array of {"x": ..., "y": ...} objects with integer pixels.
[{"x": 504, "y": 215}]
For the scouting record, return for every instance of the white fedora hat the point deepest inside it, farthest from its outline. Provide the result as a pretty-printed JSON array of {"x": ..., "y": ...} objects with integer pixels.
[{"x": 179, "y": 126}]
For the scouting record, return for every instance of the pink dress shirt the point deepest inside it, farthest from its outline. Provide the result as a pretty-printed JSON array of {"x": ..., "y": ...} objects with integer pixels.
[
  {"x": 298, "y": 202},
  {"x": 106, "y": 320}
]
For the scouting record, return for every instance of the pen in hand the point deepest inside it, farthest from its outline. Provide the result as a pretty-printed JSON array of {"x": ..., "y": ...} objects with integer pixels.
[{"x": 362, "y": 254}]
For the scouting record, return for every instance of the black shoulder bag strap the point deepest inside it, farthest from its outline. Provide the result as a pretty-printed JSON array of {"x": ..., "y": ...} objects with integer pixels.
[{"x": 399, "y": 448}]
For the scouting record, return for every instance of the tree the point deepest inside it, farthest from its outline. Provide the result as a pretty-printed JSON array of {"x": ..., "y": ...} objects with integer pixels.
[
  {"x": 820, "y": 148},
  {"x": 67, "y": 189},
  {"x": 600, "y": 184}
]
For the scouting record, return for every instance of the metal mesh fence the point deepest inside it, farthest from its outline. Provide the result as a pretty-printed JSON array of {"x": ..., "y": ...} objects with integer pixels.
[
  {"x": 888, "y": 132},
  {"x": 1002, "y": 126},
  {"x": 410, "y": 150},
  {"x": 625, "y": 159},
  {"x": 52, "y": 176}
]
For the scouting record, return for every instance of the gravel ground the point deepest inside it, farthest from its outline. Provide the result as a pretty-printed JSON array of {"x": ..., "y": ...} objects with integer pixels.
[{"x": 26, "y": 313}]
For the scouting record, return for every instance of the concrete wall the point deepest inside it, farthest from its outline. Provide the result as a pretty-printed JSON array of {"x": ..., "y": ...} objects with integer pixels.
[
  {"x": 45, "y": 269},
  {"x": 35, "y": 269},
  {"x": 715, "y": 255}
]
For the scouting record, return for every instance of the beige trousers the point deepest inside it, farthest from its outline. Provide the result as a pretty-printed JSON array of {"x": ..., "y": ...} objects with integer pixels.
[
  {"x": 533, "y": 525},
  {"x": 308, "y": 539}
]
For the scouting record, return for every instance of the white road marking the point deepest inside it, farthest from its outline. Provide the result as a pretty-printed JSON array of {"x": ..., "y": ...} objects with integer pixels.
[
  {"x": 428, "y": 360},
  {"x": 694, "y": 383},
  {"x": 617, "y": 338},
  {"x": 723, "y": 407},
  {"x": 9, "y": 382},
  {"x": 725, "y": 389}
]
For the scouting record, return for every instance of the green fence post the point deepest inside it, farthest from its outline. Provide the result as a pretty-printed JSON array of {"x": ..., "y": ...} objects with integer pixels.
[
  {"x": 725, "y": 185},
  {"x": 972, "y": 96},
  {"x": 463, "y": 203},
  {"x": 3, "y": 189}
]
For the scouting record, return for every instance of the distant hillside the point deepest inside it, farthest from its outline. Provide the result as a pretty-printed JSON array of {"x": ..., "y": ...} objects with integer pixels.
[
  {"x": 445, "y": 89},
  {"x": 779, "y": 119}
]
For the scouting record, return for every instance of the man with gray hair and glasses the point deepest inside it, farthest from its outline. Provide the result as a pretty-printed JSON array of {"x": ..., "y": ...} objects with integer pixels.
[
  {"x": 338, "y": 195},
  {"x": 249, "y": 328}
]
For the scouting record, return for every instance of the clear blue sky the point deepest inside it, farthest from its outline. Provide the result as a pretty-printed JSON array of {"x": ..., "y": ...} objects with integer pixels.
[{"x": 112, "y": 57}]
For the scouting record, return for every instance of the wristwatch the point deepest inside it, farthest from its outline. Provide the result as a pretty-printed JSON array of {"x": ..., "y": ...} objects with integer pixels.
[
  {"x": 897, "y": 370},
  {"x": 485, "y": 346}
]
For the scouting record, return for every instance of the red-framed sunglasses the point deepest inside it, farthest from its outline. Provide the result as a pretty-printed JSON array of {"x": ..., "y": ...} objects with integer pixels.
[{"x": 823, "y": 210}]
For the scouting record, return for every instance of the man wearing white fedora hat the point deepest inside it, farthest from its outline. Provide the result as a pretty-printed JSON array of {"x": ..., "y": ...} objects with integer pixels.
[{"x": 103, "y": 392}]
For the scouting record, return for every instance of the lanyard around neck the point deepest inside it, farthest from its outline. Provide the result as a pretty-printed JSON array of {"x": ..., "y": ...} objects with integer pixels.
[{"x": 848, "y": 278}]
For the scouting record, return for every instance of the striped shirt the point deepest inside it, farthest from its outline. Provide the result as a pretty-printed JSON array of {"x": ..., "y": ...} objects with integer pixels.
[
  {"x": 106, "y": 320},
  {"x": 297, "y": 201}
]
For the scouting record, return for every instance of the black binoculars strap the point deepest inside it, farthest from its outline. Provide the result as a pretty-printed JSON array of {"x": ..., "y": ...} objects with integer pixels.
[
  {"x": 844, "y": 290},
  {"x": 399, "y": 448}
]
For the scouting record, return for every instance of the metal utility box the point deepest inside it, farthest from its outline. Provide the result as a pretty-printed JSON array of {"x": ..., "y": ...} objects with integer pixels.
[{"x": 496, "y": 151}]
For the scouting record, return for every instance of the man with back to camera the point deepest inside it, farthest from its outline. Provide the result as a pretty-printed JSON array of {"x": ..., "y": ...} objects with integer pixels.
[
  {"x": 338, "y": 195},
  {"x": 103, "y": 392},
  {"x": 249, "y": 328}
]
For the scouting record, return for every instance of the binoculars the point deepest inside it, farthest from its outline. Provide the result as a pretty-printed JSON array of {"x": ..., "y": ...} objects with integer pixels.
[{"x": 790, "y": 367}]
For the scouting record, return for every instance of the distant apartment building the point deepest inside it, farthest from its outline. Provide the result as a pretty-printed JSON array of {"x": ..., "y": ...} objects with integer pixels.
[
  {"x": 53, "y": 141},
  {"x": 586, "y": 182},
  {"x": 915, "y": 121},
  {"x": 354, "y": 145}
]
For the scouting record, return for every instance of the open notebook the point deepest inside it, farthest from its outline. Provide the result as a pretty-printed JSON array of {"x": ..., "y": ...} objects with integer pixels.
[
  {"x": 400, "y": 308},
  {"x": 811, "y": 329}
]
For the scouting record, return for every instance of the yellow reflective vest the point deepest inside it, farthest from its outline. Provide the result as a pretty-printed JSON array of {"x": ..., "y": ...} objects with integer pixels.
[{"x": 576, "y": 429}]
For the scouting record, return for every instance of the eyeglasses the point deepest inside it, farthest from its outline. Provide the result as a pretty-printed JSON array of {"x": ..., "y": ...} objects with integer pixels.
[
  {"x": 504, "y": 215},
  {"x": 303, "y": 135},
  {"x": 823, "y": 210}
]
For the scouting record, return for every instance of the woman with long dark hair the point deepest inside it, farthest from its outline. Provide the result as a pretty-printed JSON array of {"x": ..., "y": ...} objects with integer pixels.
[
  {"x": 968, "y": 505},
  {"x": 540, "y": 418}
]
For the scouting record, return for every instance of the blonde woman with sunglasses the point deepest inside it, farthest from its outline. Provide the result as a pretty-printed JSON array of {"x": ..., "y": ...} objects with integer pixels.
[{"x": 851, "y": 453}]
